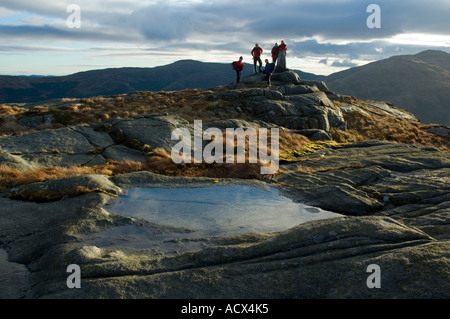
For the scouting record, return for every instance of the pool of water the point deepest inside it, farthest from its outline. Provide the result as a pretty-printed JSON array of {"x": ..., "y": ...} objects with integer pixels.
[{"x": 217, "y": 211}]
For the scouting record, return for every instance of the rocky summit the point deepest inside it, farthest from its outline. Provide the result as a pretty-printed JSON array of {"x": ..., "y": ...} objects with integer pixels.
[{"x": 66, "y": 162}]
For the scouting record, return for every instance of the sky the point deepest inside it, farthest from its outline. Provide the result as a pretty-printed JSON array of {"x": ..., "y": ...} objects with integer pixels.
[{"x": 60, "y": 37}]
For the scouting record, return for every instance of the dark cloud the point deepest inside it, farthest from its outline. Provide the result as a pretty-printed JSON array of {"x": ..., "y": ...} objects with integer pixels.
[
  {"x": 373, "y": 50},
  {"x": 339, "y": 63},
  {"x": 352, "y": 50},
  {"x": 45, "y": 33},
  {"x": 348, "y": 19},
  {"x": 162, "y": 22},
  {"x": 15, "y": 31},
  {"x": 345, "y": 19},
  {"x": 40, "y": 7},
  {"x": 416, "y": 16},
  {"x": 344, "y": 64},
  {"x": 235, "y": 26},
  {"x": 29, "y": 48}
]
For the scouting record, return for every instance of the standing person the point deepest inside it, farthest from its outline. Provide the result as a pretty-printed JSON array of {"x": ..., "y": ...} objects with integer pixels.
[
  {"x": 238, "y": 66},
  {"x": 268, "y": 70},
  {"x": 256, "y": 54},
  {"x": 275, "y": 51},
  {"x": 282, "y": 56}
]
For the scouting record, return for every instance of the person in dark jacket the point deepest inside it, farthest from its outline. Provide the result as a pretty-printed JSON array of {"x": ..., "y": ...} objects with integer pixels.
[
  {"x": 268, "y": 70},
  {"x": 256, "y": 54},
  {"x": 238, "y": 66}
]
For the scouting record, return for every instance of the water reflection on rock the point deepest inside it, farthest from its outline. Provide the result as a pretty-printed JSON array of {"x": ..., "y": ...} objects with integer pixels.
[{"x": 217, "y": 211}]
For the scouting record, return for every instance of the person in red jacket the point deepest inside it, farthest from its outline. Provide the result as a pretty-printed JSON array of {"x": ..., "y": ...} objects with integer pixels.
[
  {"x": 256, "y": 54},
  {"x": 282, "y": 48},
  {"x": 275, "y": 51},
  {"x": 238, "y": 66}
]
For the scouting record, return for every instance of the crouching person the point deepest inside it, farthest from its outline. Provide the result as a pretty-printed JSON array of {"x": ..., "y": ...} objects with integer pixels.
[{"x": 268, "y": 70}]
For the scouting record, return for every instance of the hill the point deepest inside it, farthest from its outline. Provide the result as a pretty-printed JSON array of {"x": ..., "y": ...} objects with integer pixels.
[
  {"x": 418, "y": 83},
  {"x": 180, "y": 75}
]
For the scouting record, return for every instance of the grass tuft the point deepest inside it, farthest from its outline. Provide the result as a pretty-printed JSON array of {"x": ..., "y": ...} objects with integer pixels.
[
  {"x": 46, "y": 196},
  {"x": 388, "y": 128}
]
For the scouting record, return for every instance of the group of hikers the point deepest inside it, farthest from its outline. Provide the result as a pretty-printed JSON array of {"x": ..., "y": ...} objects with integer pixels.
[{"x": 278, "y": 61}]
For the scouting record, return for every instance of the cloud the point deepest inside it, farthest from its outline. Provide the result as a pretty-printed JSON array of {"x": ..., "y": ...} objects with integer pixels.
[
  {"x": 27, "y": 49},
  {"x": 162, "y": 22},
  {"x": 291, "y": 19},
  {"x": 40, "y": 7},
  {"x": 347, "y": 19},
  {"x": 344, "y": 64},
  {"x": 47, "y": 33},
  {"x": 334, "y": 32},
  {"x": 373, "y": 50},
  {"x": 339, "y": 63}
]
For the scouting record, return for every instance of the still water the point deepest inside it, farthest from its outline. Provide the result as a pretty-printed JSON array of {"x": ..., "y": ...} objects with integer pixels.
[{"x": 216, "y": 211}]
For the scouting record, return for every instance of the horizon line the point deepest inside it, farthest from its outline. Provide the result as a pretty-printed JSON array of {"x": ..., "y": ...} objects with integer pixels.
[{"x": 203, "y": 62}]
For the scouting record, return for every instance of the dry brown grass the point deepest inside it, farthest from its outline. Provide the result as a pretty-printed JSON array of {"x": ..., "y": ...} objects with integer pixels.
[
  {"x": 12, "y": 177},
  {"x": 158, "y": 162},
  {"x": 10, "y": 110},
  {"x": 197, "y": 104},
  {"x": 294, "y": 146},
  {"x": 291, "y": 148},
  {"x": 292, "y": 141},
  {"x": 192, "y": 104},
  {"x": 389, "y": 128},
  {"x": 161, "y": 162},
  {"x": 189, "y": 104}
]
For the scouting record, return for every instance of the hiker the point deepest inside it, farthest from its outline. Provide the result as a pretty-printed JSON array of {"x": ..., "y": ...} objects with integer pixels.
[
  {"x": 238, "y": 66},
  {"x": 275, "y": 51},
  {"x": 256, "y": 54},
  {"x": 268, "y": 70},
  {"x": 282, "y": 48}
]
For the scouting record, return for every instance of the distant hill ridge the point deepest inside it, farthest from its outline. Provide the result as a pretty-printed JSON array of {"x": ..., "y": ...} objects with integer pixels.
[
  {"x": 419, "y": 83},
  {"x": 176, "y": 76},
  {"x": 180, "y": 75}
]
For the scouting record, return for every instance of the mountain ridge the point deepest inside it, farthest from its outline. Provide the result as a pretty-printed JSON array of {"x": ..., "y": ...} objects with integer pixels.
[
  {"x": 179, "y": 75},
  {"x": 419, "y": 83}
]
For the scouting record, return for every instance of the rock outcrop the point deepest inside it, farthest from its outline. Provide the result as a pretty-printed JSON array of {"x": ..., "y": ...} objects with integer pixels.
[
  {"x": 394, "y": 198},
  {"x": 64, "y": 147},
  {"x": 291, "y": 103}
]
